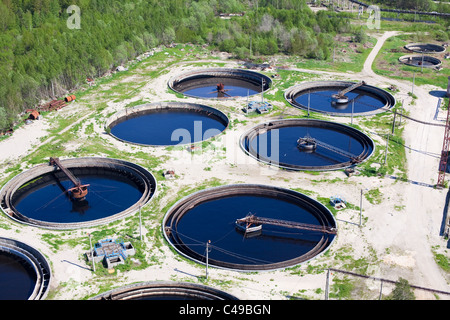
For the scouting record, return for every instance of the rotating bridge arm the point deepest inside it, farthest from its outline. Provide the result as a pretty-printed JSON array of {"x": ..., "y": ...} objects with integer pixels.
[{"x": 351, "y": 88}]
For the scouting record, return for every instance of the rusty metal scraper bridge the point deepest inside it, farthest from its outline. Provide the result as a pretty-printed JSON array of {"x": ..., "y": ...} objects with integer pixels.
[
  {"x": 351, "y": 156},
  {"x": 252, "y": 219}
]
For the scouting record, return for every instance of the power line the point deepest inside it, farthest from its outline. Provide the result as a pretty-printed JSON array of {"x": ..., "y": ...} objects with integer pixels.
[{"x": 387, "y": 280}]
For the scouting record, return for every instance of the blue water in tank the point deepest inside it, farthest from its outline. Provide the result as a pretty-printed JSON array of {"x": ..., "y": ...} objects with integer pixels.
[
  {"x": 321, "y": 100},
  {"x": 17, "y": 278}
]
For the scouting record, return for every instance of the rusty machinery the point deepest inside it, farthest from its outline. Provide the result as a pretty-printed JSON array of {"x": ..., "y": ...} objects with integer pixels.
[{"x": 79, "y": 191}]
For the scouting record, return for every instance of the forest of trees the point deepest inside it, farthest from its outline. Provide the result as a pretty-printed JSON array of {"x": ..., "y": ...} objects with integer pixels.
[{"x": 41, "y": 56}]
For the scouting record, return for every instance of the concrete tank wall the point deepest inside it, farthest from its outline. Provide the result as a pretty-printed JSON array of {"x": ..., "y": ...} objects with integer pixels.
[
  {"x": 161, "y": 288},
  {"x": 36, "y": 261},
  {"x": 247, "y": 75},
  {"x": 149, "y": 107},
  {"x": 408, "y": 60},
  {"x": 291, "y": 93}
]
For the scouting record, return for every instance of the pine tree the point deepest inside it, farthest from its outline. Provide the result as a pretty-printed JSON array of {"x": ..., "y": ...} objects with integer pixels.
[{"x": 402, "y": 291}]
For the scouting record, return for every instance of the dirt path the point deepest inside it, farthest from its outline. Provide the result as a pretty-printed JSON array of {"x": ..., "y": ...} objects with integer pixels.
[
  {"x": 419, "y": 227},
  {"x": 403, "y": 239},
  {"x": 367, "y": 68},
  {"x": 416, "y": 229}
]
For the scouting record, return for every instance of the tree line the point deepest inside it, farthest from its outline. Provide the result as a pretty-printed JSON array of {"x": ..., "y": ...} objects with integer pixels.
[
  {"x": 416, "y": 5},
  {"x": 41, "y": 57}
]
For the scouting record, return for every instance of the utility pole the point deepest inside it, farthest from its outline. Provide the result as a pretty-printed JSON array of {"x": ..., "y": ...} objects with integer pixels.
[
  {"x": 327, "y": 285},
  {"x": 387, "y": 144},
  {"x": 140, "y": 223},
  {"x": 401, "y": 113},
  {"x": 246, "y": 107},
  {"x": 207, "y": 251},
  {"x": 381, "y": 290},
  {"x": 309, "y": 101},
  {"x": 360, "y": 208},
  {"x": 393, "y": 122},
  {"x": 422, "y": 62},
  {"x": 262, "y": 91}
]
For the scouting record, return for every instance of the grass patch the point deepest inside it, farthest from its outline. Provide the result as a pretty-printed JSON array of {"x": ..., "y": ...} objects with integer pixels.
[
  {"x": 341, "y": 289},
  {"x": 382, "y": 163},
  {"x": 348, "y": 57},
  {"x": 374, "y": 196},
  {"x": 387, "y": 63}
]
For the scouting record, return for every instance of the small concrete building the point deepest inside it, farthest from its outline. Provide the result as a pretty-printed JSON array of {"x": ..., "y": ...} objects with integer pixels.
[{"x": 112, "y": 252}]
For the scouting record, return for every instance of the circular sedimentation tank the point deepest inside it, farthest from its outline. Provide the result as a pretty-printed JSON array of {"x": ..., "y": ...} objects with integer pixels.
[
  {"x": 317, "y": 96},
  {"x": 307, "y": 144},
  {"x": 167, "y": 124},
  {"x": 25, "y": 274},
  {"x": 429, "y": 48},
  {"x": 207, "y": 227},
  {"x": 220, "y": 83},
  {"x": 41, "y": 196},
  {"x": 420, "y": 61},
  {"x": 165, "y": 291}
]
